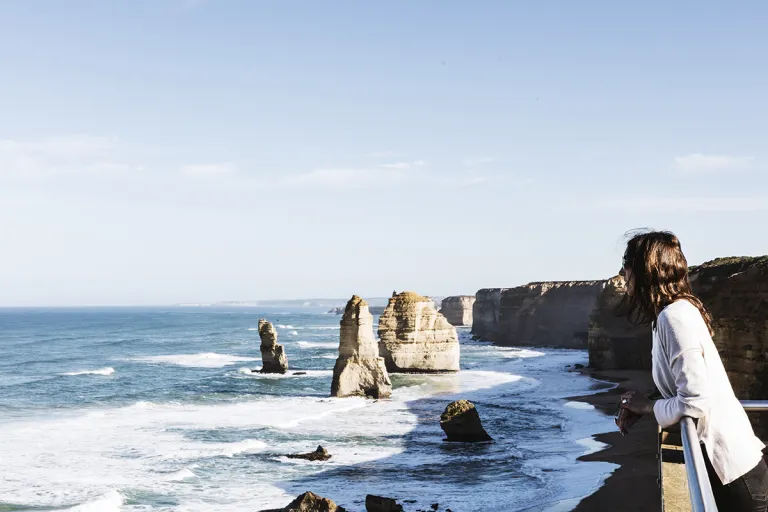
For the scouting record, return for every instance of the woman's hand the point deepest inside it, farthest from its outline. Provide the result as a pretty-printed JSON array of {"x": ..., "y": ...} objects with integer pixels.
[
  {"x": 636, "y": 402},
  {"x": 625, "y": 419}
]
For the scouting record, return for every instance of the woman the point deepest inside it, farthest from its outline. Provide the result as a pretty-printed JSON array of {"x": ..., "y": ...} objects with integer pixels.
[{"x": 688, "y": 372}]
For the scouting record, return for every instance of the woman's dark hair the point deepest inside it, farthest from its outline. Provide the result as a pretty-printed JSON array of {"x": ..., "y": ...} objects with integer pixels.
[{"x": 660, "y": 273}]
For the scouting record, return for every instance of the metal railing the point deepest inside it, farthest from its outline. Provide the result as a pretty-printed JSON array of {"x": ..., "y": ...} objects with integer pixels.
[{"x": 702, "y": 499}]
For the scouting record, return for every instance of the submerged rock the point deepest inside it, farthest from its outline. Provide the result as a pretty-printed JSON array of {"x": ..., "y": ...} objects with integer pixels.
[
  {"x": 272, "y": 355},
  {"x": 309, "y": 502},
  {"x": 319, "y": 454},
  {"x": 359, "y": 370},
  {"x": 381, "y": 504},
  {"x": 414, "y": 337},
  {"x": 461, "y": 422}
]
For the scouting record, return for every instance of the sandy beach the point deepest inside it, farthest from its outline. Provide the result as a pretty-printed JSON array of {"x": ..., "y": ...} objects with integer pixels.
[{"x": 633, "y": 486}]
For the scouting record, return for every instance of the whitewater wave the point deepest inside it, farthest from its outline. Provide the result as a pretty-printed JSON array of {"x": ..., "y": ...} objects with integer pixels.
[
  {"x": 253, "y": 328},
  {"x": 318, "y": 344},
  {"x": 289, "y": 374},
  {"x": 201, "y": 360},
  {"x": 579, "y": 405},
  {"x": 245, "y": 446},
  {"x": 179, "y": 476},
  {"x": 101, "y": 371},
  {"x": 281, "y": 326},
  {"x": 111, "y": 501}
]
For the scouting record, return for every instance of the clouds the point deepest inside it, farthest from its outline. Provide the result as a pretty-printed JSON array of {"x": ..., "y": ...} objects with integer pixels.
[
  {"x": 687, "y": 204},
  {"x": 698, "y": 162},
  {"x": 60, "y": 155},
  {"x": 391, "y": 174},
  {"x": 476, "y": 161},
  {"x": 403, "y": 166},
  {"x": 209, "y": 170}
]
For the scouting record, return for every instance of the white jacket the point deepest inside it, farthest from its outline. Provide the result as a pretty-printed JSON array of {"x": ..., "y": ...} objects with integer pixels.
[{"x": 689, "y": 374}]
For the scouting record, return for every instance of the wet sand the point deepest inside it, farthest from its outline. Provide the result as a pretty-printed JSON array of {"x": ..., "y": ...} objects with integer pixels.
[{"x": 634, "y": 486}]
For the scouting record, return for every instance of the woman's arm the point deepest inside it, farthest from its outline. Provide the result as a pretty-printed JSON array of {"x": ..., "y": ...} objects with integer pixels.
[{"x": 680, "y": 331}]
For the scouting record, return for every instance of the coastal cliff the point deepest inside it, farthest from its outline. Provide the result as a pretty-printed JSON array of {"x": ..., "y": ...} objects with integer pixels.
[
  {"x": 547, "y": 314},
  {"x": 414, "y": 337},
  {"x": 614, "y": 342},
  {"x": 735, "y": 291},
  {"x": 485, "y": 313},
  {"x": 457, "y": 309}
]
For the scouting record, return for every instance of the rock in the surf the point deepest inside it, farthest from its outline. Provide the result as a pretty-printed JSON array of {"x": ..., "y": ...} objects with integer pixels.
[
  {"x": 319, "y": 454},
  {"x": 359, "y": 370},
  {"x": 461, "y": 422},
  {"x": 414, "y": 337},
  {"x": 309, "y": 502},
  {"x": 273, "y": 357},
  {"x": 381, "y": 504}
]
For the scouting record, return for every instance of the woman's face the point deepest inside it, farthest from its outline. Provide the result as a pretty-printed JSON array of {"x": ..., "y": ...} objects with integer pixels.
[{"x": 629, "y": 278}]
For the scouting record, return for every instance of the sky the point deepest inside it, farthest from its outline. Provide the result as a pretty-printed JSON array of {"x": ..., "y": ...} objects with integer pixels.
[{"x": 166, "y": 151}]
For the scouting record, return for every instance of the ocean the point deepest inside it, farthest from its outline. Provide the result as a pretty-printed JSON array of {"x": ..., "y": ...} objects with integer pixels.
[{"x": 156, "y": 409}]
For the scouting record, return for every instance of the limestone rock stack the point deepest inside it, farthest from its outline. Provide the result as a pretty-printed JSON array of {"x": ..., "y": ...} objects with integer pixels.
[
  {"x": 272, "y": 355},
  {"x": 414, "y": 337},
  {"x": 359, "y": 370},
  {"x": 458, "y": 309}
]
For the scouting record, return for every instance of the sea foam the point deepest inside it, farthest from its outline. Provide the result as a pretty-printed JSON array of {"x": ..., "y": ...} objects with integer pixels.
[
  {"x": 102, "y": 371},
  {"x": 201, "y": 360},
  {"x": 317, "y": 344},
  {"x": 111, "y": 501}
]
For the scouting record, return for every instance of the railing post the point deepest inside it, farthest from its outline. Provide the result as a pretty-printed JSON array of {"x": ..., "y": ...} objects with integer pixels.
[{"x": 702, "y": 499}]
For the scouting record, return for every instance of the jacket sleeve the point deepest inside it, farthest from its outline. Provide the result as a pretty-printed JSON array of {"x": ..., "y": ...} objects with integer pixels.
[{"x": 681, "y": 331}]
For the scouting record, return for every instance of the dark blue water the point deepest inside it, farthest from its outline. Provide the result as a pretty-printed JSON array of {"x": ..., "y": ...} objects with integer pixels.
[{"x": 157, "y": 409}]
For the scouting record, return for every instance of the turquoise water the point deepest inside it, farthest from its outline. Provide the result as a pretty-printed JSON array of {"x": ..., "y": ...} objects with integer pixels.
[{"x": 157, "y": 410}]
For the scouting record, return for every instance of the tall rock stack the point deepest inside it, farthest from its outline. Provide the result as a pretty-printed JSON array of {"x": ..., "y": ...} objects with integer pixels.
[
  {"x": 458, "y": 309},
  {"x": 272, "y": 355},
  {"x": 414, "y": 337},
  {"x": 359, "y": 370}
]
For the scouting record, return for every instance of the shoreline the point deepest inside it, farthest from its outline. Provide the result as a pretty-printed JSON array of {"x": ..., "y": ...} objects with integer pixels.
[{"x": 633, "y": 486}]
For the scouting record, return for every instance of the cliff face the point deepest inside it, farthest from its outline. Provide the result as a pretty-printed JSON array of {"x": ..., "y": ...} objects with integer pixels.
[
  {"x": 734, "y": 290},
  {"x": 614, "y": 342},
  {"x": 548, "y": 314},
  {"x": 458, "y": 309},
  {"x": 485, "y": 313},
  {"x": 414, "y": 337},
  {"x": 359, "y": 370}
]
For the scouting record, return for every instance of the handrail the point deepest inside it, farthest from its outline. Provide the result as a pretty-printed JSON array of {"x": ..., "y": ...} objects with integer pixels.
[
  {"x": 702, "y": 499},
  {"x": 754, "y": 405}
]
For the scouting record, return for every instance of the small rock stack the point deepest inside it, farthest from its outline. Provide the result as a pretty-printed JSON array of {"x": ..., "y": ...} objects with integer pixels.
[
  {"x": 272, "y": 355},
  {"x": 461, "y": 423}
]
